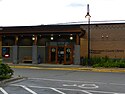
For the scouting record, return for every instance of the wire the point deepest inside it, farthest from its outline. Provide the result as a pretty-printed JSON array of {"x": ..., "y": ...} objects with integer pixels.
[{"x": 103, "y": 21}]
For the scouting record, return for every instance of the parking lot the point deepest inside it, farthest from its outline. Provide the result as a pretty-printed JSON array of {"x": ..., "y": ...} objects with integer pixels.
[{"x": 57, "y": 86}]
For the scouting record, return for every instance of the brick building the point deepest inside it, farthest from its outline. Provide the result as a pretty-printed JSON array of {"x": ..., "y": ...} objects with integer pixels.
[{"x": 106, "y": 40}]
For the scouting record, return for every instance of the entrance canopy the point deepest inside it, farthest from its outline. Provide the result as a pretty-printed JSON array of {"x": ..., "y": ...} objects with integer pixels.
[{"x": 61, "y": 33}]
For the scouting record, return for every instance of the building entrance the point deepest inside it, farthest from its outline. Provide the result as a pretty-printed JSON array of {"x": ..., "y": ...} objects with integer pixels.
[{"x": 61, "y": 54}]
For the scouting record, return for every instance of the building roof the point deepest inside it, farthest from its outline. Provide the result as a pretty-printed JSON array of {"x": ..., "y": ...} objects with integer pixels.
[
  {"x": 47, "y": 29},
  {"x": 41, "y": 29}
]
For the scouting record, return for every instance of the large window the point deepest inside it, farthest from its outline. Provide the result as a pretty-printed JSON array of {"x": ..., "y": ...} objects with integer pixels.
[
  {"x": 6, "y": 52},
  {"x": 41, "y": 41},
  {"x": 8, "y": 40},
  {"x": 25, "y": 41}
]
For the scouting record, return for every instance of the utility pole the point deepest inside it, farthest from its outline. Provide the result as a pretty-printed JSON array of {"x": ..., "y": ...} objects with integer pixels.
[{"x": 89, "y": 50}]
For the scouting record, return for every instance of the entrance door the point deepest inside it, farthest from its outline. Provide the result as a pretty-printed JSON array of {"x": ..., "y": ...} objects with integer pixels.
[
  {"x": 69, "y": 54},
  {"x": 61, "y": 54},
  {"x": 53, "y": 54}
]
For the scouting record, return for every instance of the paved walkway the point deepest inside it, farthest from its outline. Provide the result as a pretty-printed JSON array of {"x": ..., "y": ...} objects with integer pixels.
[{"x": 65, "y": 67}]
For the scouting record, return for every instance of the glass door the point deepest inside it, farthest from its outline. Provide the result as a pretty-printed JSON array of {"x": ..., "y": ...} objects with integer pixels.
[
  {"x": 52, "y": 54},
  {"x": 61, "y": 55},
  {"x": 69, "y": 54}
]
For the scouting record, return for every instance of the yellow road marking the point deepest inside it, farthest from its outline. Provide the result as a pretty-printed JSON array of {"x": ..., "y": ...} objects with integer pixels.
[{"x": 76, "y": 69}]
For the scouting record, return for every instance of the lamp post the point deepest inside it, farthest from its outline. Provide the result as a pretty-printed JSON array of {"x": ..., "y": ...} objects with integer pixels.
[{"x": 88, "y": 16}]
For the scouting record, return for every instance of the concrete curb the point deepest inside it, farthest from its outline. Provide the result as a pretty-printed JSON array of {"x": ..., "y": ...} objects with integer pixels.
[
  {"x": 71, "y": 68},
  {"x": 4, "y": 82}
]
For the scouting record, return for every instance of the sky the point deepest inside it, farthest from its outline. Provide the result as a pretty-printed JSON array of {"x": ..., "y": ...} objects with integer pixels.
[{"x": 43, "y": 12}]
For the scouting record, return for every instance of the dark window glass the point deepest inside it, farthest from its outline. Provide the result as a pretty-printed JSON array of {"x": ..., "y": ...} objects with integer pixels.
[{"x": 6, "y": 52}]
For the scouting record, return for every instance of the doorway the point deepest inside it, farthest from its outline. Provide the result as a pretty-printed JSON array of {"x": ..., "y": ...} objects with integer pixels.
[{"x": 61, "y": 54}]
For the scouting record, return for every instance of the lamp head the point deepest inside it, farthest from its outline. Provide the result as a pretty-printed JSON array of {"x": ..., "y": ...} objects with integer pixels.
[{"x": 87, "y": 15}]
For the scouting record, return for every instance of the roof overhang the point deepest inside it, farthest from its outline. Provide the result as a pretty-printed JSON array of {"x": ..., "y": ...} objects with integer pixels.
[{"x": 43, "y": 29}]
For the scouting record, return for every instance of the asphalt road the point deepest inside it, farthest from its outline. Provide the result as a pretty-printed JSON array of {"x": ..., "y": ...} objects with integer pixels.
[{"x": 65, "y": 82}]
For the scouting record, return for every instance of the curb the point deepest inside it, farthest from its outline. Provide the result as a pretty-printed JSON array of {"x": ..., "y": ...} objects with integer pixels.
[
  {"x": 71, "y": 68},
  {"x": 4, "y": 82}
]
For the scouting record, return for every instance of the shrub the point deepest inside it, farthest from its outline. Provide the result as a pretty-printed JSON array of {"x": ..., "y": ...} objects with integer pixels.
[
  {"x": 111, "y": 63},
  {"x": 121, "y": 64},
  {"x": 5, "y": 71},
  {"x": 105, "y": 62}
]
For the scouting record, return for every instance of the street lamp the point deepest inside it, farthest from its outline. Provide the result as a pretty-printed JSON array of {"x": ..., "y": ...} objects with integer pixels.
[{"x": 88, "y": 16}]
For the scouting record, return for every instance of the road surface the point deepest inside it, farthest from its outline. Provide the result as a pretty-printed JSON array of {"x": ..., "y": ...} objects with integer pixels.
[{"x": 65, "y": 82}]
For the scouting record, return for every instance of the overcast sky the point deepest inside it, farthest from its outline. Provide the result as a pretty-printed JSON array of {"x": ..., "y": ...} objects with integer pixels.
[{"x": 37, "y": 12}]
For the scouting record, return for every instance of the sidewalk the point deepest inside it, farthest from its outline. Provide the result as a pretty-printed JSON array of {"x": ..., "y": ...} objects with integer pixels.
[{"x": 65, "y": 67}]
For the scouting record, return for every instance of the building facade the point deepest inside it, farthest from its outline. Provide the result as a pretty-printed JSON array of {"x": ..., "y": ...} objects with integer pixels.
[
  {"x": 61, "y": 44},
  {"x": 106, "y": 40},
  {"x": 55, "y": 44}
]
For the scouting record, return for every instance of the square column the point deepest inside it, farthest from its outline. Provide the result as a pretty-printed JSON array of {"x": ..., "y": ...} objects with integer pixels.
[
  {"x": 34, "y": 54},
  {"x": 15, "y": 51},
  {"x": 34, "y": 50},
  {"x": 77, "y": 55},
  {"x": 15, "y": 54}
]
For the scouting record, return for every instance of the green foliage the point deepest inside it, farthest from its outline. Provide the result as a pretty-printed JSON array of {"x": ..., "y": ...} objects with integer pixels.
[
  {"x": 5, "y": 71},
  {"x": 105, "y": 62}
]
